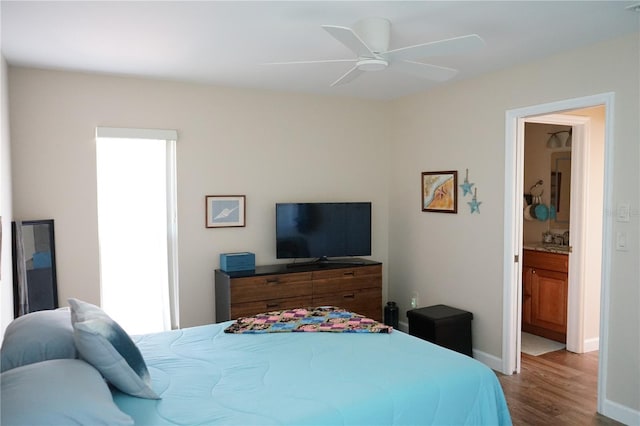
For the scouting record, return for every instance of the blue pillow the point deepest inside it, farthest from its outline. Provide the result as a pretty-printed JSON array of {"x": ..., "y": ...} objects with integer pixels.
[
  {"x": 105, "y": 345},
  {"x": 36, "y": 337},
  {"x": 57, "y": 392}
]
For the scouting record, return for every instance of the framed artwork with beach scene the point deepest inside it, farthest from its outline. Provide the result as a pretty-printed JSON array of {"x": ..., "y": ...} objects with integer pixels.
[
  {"x": 439, "y": 192},
  {"x": 225, "y": 211}
]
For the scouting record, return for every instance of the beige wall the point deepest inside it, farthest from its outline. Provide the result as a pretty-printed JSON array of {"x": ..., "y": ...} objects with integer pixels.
[
  {"x": 537, "y": 166},
  {"x": 275, "y": 147},
  {"x": 268, "y": 146},
  {"x": 6, "y": 274},
  {"x": 458, "y": 259}
]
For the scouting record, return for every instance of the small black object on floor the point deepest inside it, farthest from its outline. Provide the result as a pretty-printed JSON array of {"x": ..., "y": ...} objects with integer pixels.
[
  {"x": 391, "y": 315},
  {"x": 443, "y": 325}
]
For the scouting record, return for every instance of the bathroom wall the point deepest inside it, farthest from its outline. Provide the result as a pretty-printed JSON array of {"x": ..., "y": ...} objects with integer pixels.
[{"x": 537, "y": 166}]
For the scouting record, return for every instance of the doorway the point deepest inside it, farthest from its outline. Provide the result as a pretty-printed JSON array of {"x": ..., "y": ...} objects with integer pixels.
[
  {"x": 514, "y": 203},
  {"x": 574, "y": 196}
]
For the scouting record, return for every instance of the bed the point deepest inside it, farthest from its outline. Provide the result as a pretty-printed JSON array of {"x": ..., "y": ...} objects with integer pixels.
[{"x": 203, "y": 375}]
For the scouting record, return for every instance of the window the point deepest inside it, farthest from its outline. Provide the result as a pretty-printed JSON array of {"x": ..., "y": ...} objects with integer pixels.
[{"x": 137, "y": 227}]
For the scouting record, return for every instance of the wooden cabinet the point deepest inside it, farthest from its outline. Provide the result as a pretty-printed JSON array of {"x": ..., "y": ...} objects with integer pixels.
[
  {"x": 355, "y": 287},
  {"x": 544, "y": 294}
]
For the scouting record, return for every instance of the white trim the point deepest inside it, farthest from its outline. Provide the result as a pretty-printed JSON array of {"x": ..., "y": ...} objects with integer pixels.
[
  {"x": 490, "y": 361},
  {"x": 620, "y": 413},
  {"x": 126, "y": 133},
  {"x": 514, "y": 131},
  {"x": 591, "y": 345},
  {"x": 607, "y": 232},
  {"x": 172, "y": 236},
  {"x": 512, "y": 206},
  {"x": 493, "y": 362}
]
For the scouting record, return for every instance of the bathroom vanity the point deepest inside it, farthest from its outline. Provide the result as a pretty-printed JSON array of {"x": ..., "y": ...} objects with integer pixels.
[{"x": 544, "y": 292}]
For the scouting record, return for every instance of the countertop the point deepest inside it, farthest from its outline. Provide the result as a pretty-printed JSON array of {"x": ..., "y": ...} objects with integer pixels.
[{"x": 551, "y": 248}]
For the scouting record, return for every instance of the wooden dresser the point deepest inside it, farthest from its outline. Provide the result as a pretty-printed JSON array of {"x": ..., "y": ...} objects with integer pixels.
[{"x": 355, "y": 287}]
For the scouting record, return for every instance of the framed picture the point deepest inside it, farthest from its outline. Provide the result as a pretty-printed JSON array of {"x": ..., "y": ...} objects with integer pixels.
[
  {"x": 440, "y": 192},
  {"x": 225, "y": 211}
]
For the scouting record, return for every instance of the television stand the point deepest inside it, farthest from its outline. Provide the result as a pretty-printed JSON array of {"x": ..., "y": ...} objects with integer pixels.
[{"x": 355, "y": 287}]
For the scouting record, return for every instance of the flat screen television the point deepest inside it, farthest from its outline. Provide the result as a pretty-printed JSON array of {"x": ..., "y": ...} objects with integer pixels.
[{"x": 323, "y": 230}]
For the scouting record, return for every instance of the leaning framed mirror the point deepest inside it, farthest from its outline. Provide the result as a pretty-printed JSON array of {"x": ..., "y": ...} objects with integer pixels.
[{"x": 35, "y": 286}]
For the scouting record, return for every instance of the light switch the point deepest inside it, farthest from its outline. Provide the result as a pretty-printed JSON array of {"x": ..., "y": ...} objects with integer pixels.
[
  {"x": 622, "y": 214},
  {"x": 621, "y": 241}
]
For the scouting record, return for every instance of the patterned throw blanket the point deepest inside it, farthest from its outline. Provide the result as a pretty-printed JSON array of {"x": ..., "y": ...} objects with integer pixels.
[{"x": 323, "y": 318}]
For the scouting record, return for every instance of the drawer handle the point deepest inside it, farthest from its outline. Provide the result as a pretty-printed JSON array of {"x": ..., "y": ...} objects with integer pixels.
[
  {"x": 272, "y": 305},
  {"x": 349, "y": 296},
  {"x": 349, "y": 273},
  {"x": 273, "y": 281}
]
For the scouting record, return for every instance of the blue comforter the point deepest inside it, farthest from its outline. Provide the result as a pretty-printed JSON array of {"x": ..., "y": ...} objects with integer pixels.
[{"x": 205, "y": 376}]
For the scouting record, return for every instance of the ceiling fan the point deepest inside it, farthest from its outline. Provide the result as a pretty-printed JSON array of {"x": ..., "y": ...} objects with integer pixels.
[{"x": 369, "y": 40}]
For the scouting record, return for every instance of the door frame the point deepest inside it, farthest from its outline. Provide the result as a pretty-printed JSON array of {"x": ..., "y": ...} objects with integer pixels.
[
  {"x": 513, "y": 205},
  {"x": 579, "y": 185}
]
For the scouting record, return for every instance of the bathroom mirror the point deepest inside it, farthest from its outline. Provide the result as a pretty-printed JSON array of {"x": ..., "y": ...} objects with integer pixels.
[
  {"x": 35, "y": 287},
  {"x": 560, "y": 185}
]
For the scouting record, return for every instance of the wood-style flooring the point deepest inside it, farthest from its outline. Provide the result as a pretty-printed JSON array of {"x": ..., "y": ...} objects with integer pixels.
[{"x": 556, "y": 388}]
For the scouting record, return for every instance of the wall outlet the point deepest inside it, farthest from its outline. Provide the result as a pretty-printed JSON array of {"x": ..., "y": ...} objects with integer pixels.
[{"x": 414, "y": 300}]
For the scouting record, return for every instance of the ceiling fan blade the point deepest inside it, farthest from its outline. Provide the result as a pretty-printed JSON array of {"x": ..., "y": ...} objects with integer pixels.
[
  {"x": 428, "y": 71},
  {"x": 321, "y": 61},
  {"x": 452, "y": 46},
  {"x": 350, "y": 75},
  {"x": 349, "y": 38}
]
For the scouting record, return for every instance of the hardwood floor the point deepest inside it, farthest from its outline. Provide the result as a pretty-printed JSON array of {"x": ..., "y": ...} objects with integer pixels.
[{"x": 557, "y": 388}]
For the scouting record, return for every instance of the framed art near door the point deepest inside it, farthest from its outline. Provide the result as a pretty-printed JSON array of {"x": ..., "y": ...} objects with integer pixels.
[{"x": 439, "y": 192}]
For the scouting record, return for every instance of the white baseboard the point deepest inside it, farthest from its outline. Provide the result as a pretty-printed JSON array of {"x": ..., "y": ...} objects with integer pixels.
[
  {"x": 591, "y": 345},
  {"x": 490, "y": 361},
  {"x": 621, "y": 413},
  {"x": 493, "y": 362}
]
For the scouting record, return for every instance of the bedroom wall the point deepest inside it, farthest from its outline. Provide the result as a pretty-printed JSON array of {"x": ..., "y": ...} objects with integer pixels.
[
  {"x": 458, "y": 259},
  {"x": 227, "y": 136},
  {"x": 271, "y": 147},
  {"x": 6, "y": 273}
]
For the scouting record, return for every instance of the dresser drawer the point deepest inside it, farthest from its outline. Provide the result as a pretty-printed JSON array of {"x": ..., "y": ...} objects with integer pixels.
[
  {"x": 338, "y": 281},
  {"x": 267, "y": 287},
  {"x": 258, "y": 307},
  {"x": 367, "y": 302},
  {"x": 545, "y": 260},
  {"x": 354, "y": 272}
]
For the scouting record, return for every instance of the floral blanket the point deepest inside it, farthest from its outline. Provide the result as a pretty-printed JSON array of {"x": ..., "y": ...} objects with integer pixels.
[{"x": 323, "y": 318}]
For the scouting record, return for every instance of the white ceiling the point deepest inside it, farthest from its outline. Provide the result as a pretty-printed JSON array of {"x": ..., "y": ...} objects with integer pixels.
[{"x": 227, "y": 43}]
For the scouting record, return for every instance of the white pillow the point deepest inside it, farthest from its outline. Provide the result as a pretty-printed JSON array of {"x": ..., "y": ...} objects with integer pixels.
[
  {"x": 57, "y": 392},
  {"x": 36, "y": 337},
  {"x": 105, "y": 345}
]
